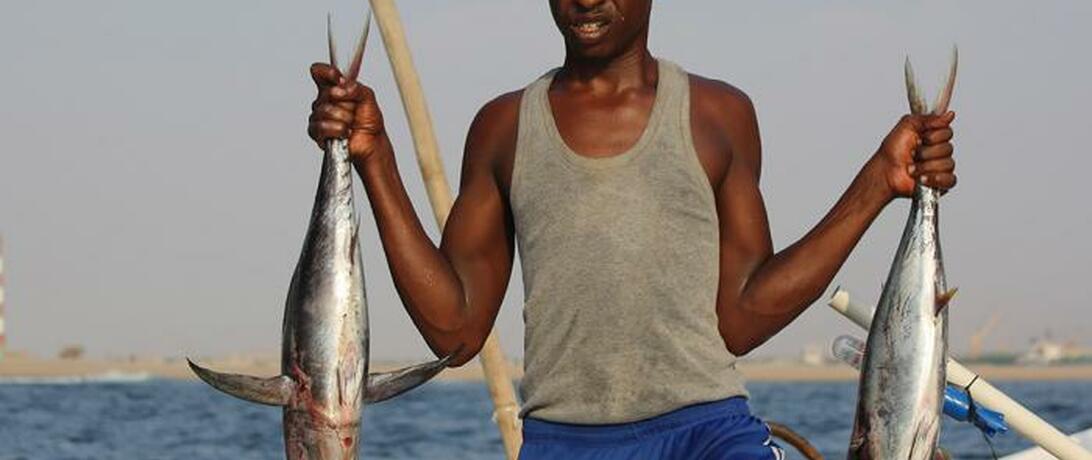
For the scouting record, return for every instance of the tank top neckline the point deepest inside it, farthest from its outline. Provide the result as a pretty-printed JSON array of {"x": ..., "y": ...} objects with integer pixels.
[{"x": 651, "y": 126}]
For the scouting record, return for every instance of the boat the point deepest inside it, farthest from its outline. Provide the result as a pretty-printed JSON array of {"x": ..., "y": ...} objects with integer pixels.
[{"x": 1083, "y": 438}]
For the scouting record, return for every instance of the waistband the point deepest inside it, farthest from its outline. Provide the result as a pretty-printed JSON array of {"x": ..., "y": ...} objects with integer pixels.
[{"x": 541, "y": 430}]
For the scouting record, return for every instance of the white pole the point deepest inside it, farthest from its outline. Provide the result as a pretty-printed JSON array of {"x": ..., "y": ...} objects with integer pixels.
[{"x": 1019, "y": 417}]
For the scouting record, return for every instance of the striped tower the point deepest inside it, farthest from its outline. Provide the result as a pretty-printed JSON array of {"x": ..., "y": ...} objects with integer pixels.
[{"x": 3, "y": 336}]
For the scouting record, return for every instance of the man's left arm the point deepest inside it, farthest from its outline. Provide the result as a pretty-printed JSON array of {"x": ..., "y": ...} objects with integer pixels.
[{"x": 760, "y": 291}]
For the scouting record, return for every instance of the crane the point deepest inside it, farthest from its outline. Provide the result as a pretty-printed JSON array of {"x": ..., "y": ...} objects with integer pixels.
[{"x": 980, "y": 335}]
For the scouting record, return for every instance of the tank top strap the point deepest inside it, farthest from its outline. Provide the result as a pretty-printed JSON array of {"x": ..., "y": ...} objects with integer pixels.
[{"x": 673, "y": 120}]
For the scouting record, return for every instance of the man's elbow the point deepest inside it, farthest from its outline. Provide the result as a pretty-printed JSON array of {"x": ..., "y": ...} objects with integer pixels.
[
  {"x": 458, "y": 350},
  {"x": 461, "y": 356},
  {"x": 741, "y": 342},
  {"x": 741, "y": 346}
]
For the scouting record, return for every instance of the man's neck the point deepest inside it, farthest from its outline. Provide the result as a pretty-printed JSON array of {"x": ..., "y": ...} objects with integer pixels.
[{"x": 632, "y": 69}]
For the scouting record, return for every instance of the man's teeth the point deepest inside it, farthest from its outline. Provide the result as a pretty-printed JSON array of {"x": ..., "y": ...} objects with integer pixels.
[{"x": 589, "y": 27}]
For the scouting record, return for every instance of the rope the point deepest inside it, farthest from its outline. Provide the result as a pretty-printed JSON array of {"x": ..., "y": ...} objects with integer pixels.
[
  {"x": 509, "y": 409},
  {"x": 972, "y": 410}
]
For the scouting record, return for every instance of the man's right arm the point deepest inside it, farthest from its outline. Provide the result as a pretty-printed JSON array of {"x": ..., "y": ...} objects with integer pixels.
[{"x": 452, "y": 292}]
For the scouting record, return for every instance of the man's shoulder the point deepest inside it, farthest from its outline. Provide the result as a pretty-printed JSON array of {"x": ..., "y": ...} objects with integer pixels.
[
  {"x": 491, "y": 139},
  {"x": 719, "y": 101},
  {"x": 502, "y": 107},
  {"x": 499, "y": 115},
  {"x": 724, "y": 119}
]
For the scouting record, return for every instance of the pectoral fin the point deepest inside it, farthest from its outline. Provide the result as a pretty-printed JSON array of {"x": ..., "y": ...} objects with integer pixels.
[
  {"x": 385, "y": 385},
  {"x": 274, "y": 391},
  {"x": 945, "y": 298}
]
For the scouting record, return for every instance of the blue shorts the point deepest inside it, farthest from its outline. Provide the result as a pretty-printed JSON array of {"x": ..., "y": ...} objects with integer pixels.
[{"x": 715, "y": 430}]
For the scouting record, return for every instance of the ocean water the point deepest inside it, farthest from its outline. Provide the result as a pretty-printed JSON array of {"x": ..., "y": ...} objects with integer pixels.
[{"x": 160, "y": 419}]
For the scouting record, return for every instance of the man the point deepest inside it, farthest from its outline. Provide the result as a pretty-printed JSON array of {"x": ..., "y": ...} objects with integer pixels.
[{"x": 632, "y": 190}]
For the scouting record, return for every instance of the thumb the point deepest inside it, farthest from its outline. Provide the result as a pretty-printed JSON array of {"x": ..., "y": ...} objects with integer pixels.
[{"x": 916, "y": 123}]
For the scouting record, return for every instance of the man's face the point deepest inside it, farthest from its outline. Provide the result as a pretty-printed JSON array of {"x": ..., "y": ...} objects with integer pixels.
[{"x": 600, "y": 28}]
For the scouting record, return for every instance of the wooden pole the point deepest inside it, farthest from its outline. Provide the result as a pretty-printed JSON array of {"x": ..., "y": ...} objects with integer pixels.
[{"x": 506, "y": 409}]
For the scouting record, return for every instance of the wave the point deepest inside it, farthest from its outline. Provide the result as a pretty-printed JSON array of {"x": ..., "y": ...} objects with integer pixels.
[{"x": 105, "y": 377}]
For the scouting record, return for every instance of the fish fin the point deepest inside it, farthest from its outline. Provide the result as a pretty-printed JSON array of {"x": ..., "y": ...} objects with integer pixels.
[
  {"x": 858, "y": 448},
  {"x": 273, "y": 391},
  {"x": 917, "y": 103},
  {"x": 945, "y": 298},
  {"x": 358, "y": 54},
  {"x": 330, "y": 42},
  {"x": 385, "y": 385},
  {"x": 944, "y": 98}
]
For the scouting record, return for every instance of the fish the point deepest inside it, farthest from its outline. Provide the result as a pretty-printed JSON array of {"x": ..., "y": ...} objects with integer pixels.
[
  {"x": 324, "y": 381},
  {"x": 902, "y": 381}
]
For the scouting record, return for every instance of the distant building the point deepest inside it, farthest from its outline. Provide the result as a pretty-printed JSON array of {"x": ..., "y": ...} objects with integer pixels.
[
  {"x": 813, "y": 355},
  {"x": 1047, "y": 351}
]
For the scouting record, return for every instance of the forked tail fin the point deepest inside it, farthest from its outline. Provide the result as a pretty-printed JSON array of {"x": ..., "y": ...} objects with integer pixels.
[{"x": 273, "y": 391}]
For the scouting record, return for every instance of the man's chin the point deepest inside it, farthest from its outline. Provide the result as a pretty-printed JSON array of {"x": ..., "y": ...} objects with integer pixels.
[{"x": 596, "y": 52}]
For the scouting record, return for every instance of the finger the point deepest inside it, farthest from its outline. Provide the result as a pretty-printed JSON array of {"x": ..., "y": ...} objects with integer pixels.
[
  {"x": 932, "y": 152},
  {"x": 314, "y": 134},
  {"x": 351, "y": 92},
  {"x": 937, "y": 136},
  {"x": 332, "y": 112},
  {"x": 323, "y": 97},
  {"x": 932, "y": 167},
  {"x": 940, "y": 181},
  {"x": 323, "y": 130},
  {"x": 939, "y": 121},
  {"x": 357, "y": 92},
  {"x": 325, "y": 74},
  {"x": 914, "y": 122}
]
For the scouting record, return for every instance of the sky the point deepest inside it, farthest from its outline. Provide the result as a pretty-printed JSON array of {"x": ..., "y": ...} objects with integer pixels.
[{"x": 156, "y": 177}]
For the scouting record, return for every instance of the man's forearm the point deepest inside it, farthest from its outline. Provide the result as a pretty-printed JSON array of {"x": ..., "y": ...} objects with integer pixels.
[
  {"x": 786, "y": 283},
  {"x": 424, "y": 278}
]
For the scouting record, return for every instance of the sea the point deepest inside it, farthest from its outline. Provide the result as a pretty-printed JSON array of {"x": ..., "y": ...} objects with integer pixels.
[{"x": 136, "y": 417}]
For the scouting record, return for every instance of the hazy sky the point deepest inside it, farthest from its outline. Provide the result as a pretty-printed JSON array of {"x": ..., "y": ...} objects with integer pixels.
[{"x": 156, "y": 177}]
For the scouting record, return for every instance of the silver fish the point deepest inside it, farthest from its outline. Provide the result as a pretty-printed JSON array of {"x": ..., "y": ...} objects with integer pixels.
[
  {"x": 324, "y": 353},
  {"x": 902, "y": 379}
]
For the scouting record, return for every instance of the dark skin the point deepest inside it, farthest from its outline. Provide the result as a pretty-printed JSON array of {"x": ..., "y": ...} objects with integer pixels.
[{"x": 602, "y": 99}]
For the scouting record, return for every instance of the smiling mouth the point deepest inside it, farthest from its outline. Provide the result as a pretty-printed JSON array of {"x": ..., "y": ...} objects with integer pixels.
[{"x": 590, "y": 30}]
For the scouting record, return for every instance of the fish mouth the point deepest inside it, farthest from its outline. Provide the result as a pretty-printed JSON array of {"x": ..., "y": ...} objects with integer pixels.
[{"x": 590, "y": 30}]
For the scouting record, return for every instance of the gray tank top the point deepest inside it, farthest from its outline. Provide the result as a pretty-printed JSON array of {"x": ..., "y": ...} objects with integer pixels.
[{"x": 620, "y": 260}]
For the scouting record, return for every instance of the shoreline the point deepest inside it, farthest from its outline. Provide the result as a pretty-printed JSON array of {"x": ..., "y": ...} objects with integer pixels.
[{"x": 16, "y": 367}]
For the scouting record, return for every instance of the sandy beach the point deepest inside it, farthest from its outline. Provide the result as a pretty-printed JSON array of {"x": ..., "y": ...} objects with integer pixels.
[{"x": 21, "y": 365}]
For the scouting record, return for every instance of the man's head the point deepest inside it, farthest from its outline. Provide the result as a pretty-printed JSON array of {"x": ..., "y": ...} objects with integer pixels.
[{"x": 600, "y": 29}]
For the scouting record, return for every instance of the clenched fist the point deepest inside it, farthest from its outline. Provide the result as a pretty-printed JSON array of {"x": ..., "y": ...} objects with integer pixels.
[
  {"x": 918, "y": 148},
  {"x": 345, "y": 109}
]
